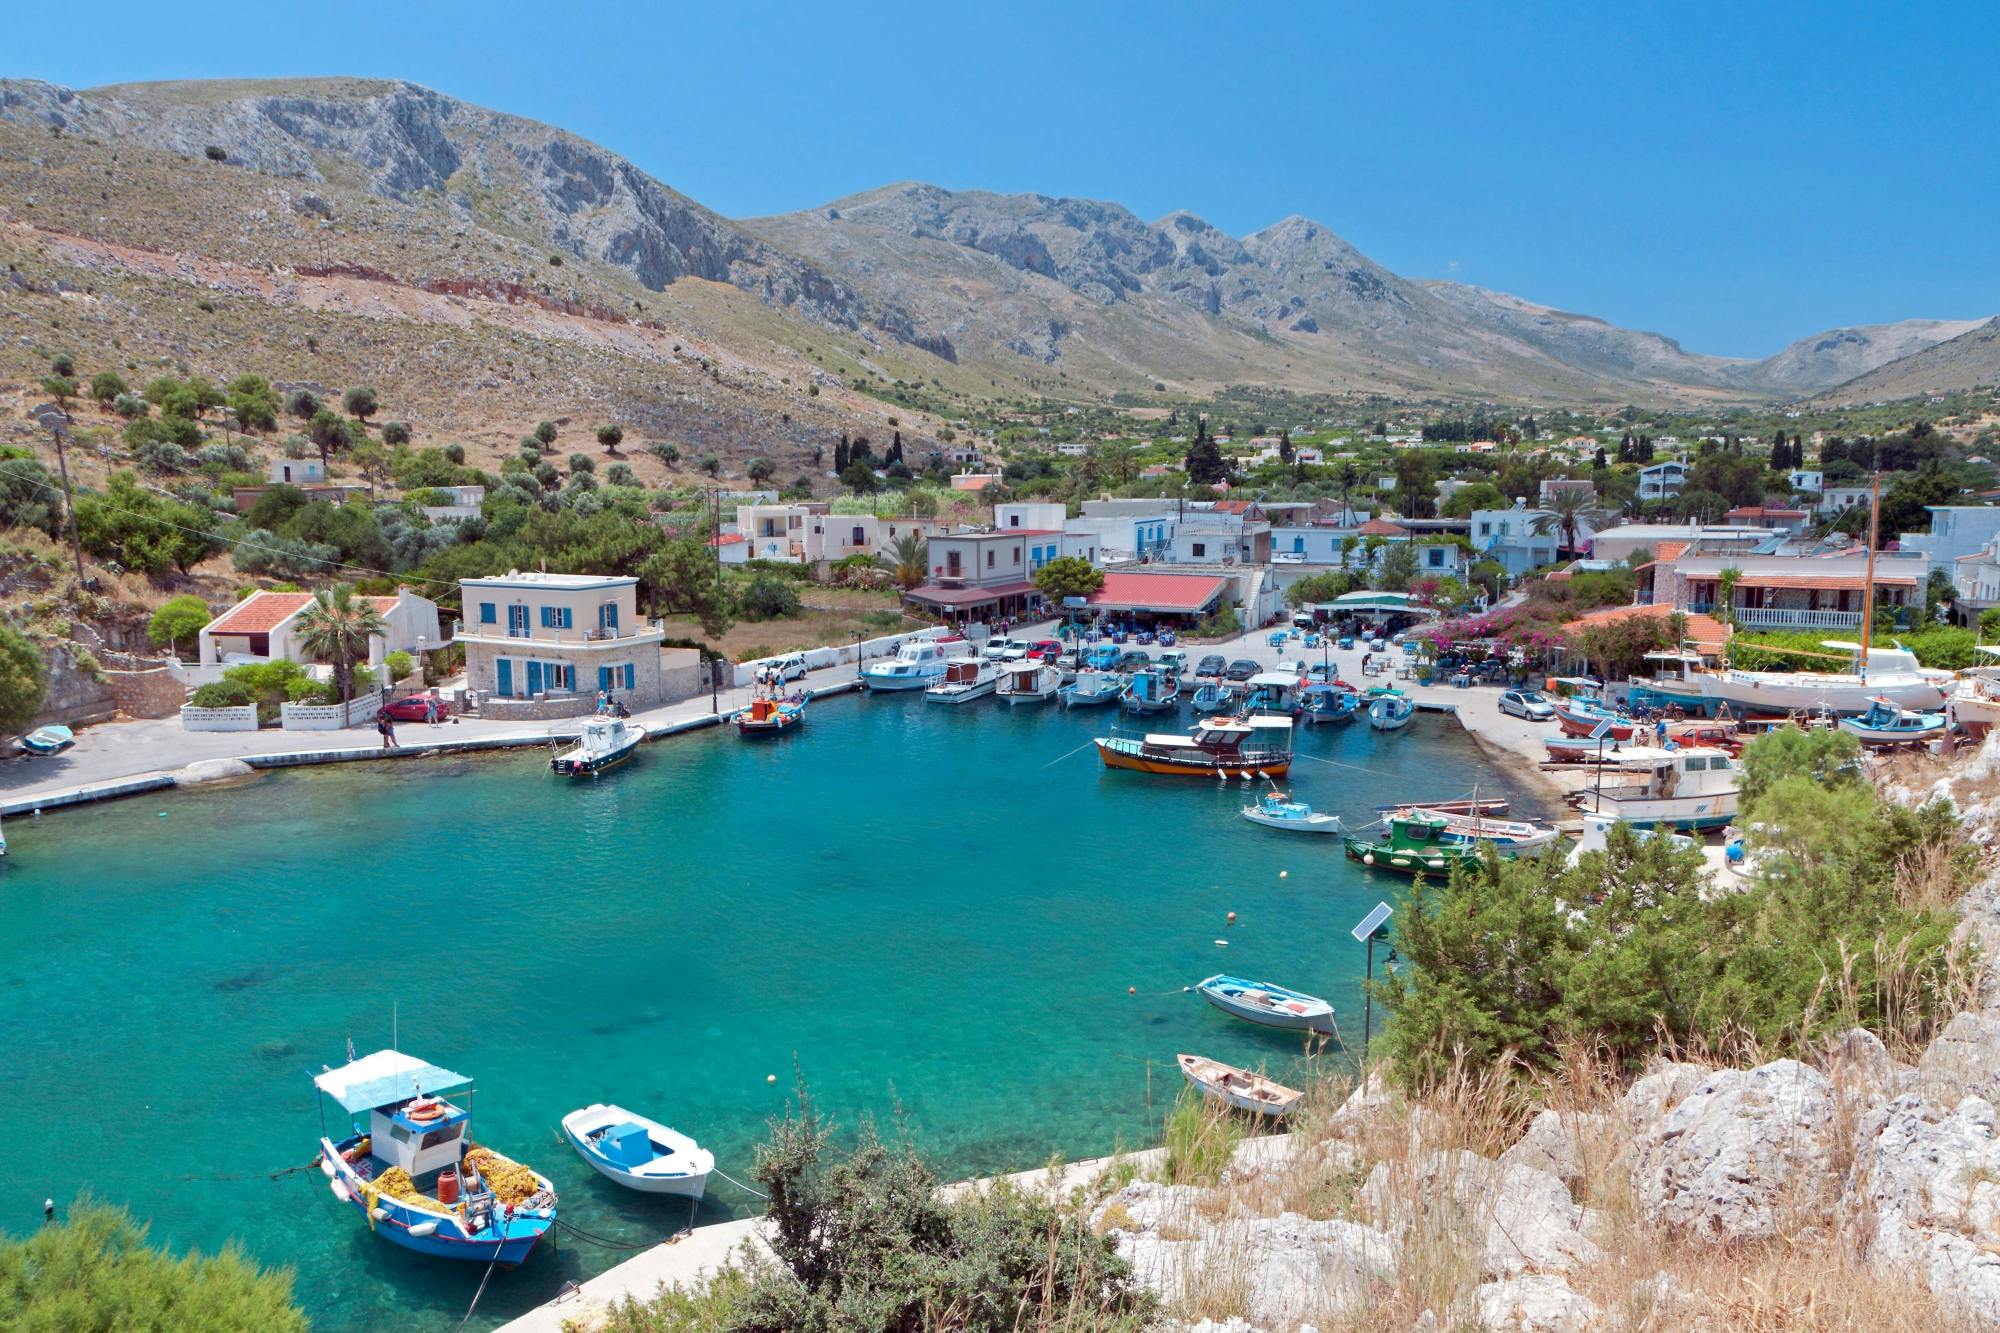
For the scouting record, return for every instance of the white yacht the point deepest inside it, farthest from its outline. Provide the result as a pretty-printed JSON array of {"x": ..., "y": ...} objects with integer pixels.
[
  {"x": 964, "y": 679},
  {"x": 1881, "y": 673},
  {"x": 1691, "y": 788},
  {"x": 1028, "y": 682},
  {"x": 916, "y": 664}
]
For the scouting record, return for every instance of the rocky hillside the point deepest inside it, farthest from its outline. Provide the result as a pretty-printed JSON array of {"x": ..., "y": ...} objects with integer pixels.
[
  {"x": 1969, "y": 360},
  {"x": 970, "y": 293}
]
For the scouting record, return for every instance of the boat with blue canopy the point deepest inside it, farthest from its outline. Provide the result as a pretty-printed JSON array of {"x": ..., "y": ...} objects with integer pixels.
[
  {"x": 1330, "y": 702},
  {"x": 1091, "y": 688},
  {"x": 413, "y": 1172},
  {"x": 1152, "y": 690},
  {"x": 1886, "y": 724},
  {"x": 1277, "y": 810}
]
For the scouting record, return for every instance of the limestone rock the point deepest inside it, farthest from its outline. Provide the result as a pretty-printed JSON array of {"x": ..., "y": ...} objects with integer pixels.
[
  {"x": 1963, "y": 1061},
  {"x": 1557, "y": 1143},
  {"x": 1744, "y": 1153},
  {"x": 212, "y": 770},
  {"x": 1523, "y": 1217},
  {"x": 1925, "y": 1188},
  {"x": 1660, "y": 1091},
  {"x": 1540, "y": 1303}
]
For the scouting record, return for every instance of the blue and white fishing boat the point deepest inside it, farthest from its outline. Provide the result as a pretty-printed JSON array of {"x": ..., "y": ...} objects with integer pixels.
[
  {"x": 1272, "y": 694},
  {"x": 413, "y": 1172},
  {"x": 1886, "y": 724},
  {"x": 48, "y": 740},
  {"x": 772, "y": 717},
  {"x": 604, "y": 743},
  {"x": 1272, "y": 1006},
  {"x": 1091, "y": 688},
  {"x": 1214, "y": 696},
  {"x": 1327, "y": 702},
  {"x": 638, "y": 1153},
  {"x": 1390, "y": 712},
  {"x": 1277, "y": 810},
  {"x": 916, "y": 664},
  {"x": 1152, "y": 690}
]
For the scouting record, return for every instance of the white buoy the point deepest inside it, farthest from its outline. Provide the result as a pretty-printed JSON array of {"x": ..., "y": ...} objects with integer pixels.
[
  {"x": 1284, "y": 874},
  {"x": 770, "y": 1078},
  {"x": 1368, "y": 859},
  {"x": 1222, "y": 944}
]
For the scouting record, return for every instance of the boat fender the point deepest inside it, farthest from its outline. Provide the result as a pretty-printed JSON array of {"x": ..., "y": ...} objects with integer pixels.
[
  {"x": 326, "y": 1166},
  {"x": 379, "y": 1214},
  {"x": 1368, "y": 859},
  {"x": 424, "y": 1229},
  {"x": 340, "y": 1191}
]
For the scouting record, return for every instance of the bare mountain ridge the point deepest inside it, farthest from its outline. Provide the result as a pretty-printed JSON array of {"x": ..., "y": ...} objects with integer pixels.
[
  {"x": 1014, "y": 283},
  {"x": 1970, "y": 360}
]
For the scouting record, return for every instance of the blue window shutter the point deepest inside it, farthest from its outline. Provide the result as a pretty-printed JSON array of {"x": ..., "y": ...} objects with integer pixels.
[
  {"x": 565, "y": 618},
  {"x": 604, "y": 678},
  {"x": 631, "y": 676},
  {"x": 548, "y": 620},
  {"x": 488, "y": 615}
]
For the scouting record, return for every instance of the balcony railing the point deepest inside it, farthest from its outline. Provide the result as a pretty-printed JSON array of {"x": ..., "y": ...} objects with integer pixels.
[
  {"x": 1785, "y": 617},
  {"x": 576, "y": 634}
]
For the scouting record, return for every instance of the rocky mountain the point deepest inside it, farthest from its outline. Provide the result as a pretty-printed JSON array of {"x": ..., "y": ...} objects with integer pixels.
[
  {"x": 1028, "y": 291},
  {"x": 1969, "y": 360}
]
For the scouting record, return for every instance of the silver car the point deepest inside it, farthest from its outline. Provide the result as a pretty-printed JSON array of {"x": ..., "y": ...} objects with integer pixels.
[{"x": 1526, "y": 704}]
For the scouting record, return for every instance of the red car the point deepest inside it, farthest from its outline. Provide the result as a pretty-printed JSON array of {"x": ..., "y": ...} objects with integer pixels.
[
  {"x": 1045, "y": 650},
  {"x": 414, "y": 707}
]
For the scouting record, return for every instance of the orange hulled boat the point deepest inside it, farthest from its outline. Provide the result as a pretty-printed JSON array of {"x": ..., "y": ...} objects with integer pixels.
[{"x": 1226, "y": 747}]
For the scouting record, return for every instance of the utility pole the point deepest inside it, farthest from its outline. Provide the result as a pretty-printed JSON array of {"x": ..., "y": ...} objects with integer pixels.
[
  {"x": 57, "y": 422},
  {"x": 715, "y": 544},
  {"x": 1868, "y": 588}
]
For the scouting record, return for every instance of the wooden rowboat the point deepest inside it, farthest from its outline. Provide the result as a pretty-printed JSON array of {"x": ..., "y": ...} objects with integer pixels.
[{"x": 1238, "y": 1087}]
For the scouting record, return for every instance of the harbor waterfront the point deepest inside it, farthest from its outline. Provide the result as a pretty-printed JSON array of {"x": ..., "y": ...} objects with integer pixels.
[{"x": 895, "y": 898}]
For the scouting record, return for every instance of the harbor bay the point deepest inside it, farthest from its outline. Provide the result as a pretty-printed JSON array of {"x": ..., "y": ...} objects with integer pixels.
[{"x": 933, "y": 915}]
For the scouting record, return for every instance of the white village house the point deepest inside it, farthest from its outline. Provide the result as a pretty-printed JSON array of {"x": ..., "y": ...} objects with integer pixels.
[
  {"x": 539, "y": 636},
  {"x": 264, "y": 627}
]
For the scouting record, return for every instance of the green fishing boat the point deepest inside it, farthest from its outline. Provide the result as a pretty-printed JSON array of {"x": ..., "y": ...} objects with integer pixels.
[{"x": 1414, "y": 844}]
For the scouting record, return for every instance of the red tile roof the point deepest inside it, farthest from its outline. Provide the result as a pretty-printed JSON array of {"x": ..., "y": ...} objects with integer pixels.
[
  {"x": 1233, "y": 506},
  {"x": 1668, "y": 550},
  {"x": 1157, "y": 592},
  {"x": 727, "y": 539},
  {"x": 1382, "y": 527},
  {"x": 1702, "y": 631},
  {"x": 1759, "y": 511},
  {"x": 260, "y": 613}
]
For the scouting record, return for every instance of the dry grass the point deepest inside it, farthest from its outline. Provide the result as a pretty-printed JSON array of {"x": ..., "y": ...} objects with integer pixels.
[{"x": 1369, "y": 1168}]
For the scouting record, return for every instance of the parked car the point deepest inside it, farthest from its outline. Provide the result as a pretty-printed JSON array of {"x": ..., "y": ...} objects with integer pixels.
[
  {"x": 1304, "y": 620},
  {"x": 1212, "y": 665},
  {"x": 1319, "y": 673},
  {"x": 1291, "y": 666},
  {"x": 1175, "y": 661},
  {"x": 1526, "y": 704},
  {"x": 1102, "y": 657},
  {"x": 415, "y": 707},
  {"x": 792, "y": 666},
  {"x": 996, "y": 648},
  {"x": 1045, "y": 650},
  {"x": 1242, "y": 669},
  {"x": 1134, "y": 658}
]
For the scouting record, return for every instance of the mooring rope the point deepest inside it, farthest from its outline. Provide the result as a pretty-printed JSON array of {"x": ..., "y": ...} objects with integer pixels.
[{"x": 740, "y": 1185}]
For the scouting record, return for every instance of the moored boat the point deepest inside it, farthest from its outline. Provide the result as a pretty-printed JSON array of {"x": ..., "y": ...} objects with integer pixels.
[
  {"x": 1886, "y": 724},
  {"x": 1888, "y": 673},
  {"x": 1508, "y": 835},
  {"x": 1272, "y": 1006},
  {"x": 1390, "y": 711},
  {"x": 414, "y": 1174},
  {"x": 1028, "y": 682},
  {"x": 605, "y": 742},
  {"x": 638, "y": 1153},
  {"x": 1151, "y": 690},
  {"x": 1258, "y": 747},
  {"x": 1413, "y": 844},
  {"x": 1974, "y": 707},
  {"x": 1090, "y": 689},
  {"x": 1277, "y": 810},
  {"x": 48, "y": 740},
  {"x": 1238, "y": 1087},
  {"x": 1327, "y": 701},
  {"x": 964, "y": 679},
  {"x": 1272, "y": 694},
  {"x": 1695, "y": 787},
  {"x": 1214, "y": 696},
  {"x": 772, "y": 717},
  {"x": 916, "y": 664}
]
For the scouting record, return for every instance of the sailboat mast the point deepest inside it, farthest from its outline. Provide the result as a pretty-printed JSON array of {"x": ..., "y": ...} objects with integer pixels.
[{"x": 1868, "y": 589}]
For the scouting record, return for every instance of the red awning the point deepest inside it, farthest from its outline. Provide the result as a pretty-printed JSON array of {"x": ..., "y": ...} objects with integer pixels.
[
  {"x": 934, "y": 595},
  {"x": 1185, "y": 593}
]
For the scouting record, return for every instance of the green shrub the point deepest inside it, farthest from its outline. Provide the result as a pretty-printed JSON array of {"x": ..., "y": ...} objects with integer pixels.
[
  {"x": 399, "y": 664},
  {"x": 181, "y": 619},
  {"x": 94, "y": 1270},
  {"x": 24, "y": 679},
  {"x": 1200, "y": 1137},
  {"x": 224, "y": 693},
  {"x": 306, "y": 690},
  {"x": 1945, "y": 647},
  {"x": 768, "y": 597}
]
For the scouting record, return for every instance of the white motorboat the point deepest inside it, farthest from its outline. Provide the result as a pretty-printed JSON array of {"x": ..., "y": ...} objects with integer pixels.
[
  {"x": 1597, "y": 836},
  {"x": 638, "y": 1153},
  {"x": 604, "y": 743},
  {"x": 916, "y": 664},
  {"x": 1886, "y": 673},
  {"x": 1239, "y": 1087},
  {"x": 1974, "y": 707},
  {"x": 1693, "y": 788},
  {"x": 964, "y": 679},
  {"x": 1277, "y": 810},
  {"x": 1886, "y": 724},
  {"x": 1028, "y": 682},
  {"x": 1272, "y": 1006},
  {"x": 1390, "y": 712},
  {"x": 1091, "y": 688}
]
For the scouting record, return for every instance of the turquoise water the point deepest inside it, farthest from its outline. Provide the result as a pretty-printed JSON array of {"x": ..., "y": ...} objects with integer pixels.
[{"x": 934, "y": 912}]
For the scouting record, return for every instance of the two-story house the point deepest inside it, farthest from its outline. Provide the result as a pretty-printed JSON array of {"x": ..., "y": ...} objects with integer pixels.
[
  {"x": 984, "y": 575},
  {"x": 551, "y": 636},
  {"x": 1662, "y": 481}
]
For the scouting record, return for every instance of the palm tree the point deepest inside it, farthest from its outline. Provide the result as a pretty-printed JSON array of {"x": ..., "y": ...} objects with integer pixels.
[
  {"x": 338, "y": 626},
  {"x": 910, "y": 559},
  {"x": 1566, "y": 511}
]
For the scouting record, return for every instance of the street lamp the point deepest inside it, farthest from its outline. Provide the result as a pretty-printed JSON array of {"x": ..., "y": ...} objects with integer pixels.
[{"x": 1373, "y": 927}]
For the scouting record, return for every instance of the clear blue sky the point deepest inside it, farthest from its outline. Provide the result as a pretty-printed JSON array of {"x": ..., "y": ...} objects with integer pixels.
[{"x": 1732, "y": 175}]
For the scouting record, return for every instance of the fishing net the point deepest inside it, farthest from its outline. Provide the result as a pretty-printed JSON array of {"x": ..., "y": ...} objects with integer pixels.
[{"x": 510, "y": 1182}]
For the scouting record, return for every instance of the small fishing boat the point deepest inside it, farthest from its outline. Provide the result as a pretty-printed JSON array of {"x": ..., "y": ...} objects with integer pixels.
[
  {"x": 1329, "y": 702},
  {"x": 1091, "y": 688},
  {"x": 1694, "y": 787},
  {"x": 1413, "y": 844},
  {"x": 1597, "y": 836},
  {"x": 1214, "y": 696},
  {"x": 964, "y": 680},
  {"x": 414, "y": 1173},
  {"x": 1886, "y": 724},
  {"x": 48, "y": 740},
  {"x": 1151, "y": 690},
  {"x": 1508, "y": 835},
  {"x": 1238, "y": 1087},
  {"x": 1272, "y": 694},
  {"x": 1495, "y": 805},
  {"x": 1259, "y": 747},
  {"x": 1028, "y": 682},
  {"x": 1390, "y": 712},
  {"x": 1578, "y": 718},
  {"x": 1874, "y": 673},
  {"x": 604, "y": 743},
  {"x": 1272, "y": 1006},
  {"x": 638, "y": 1153},
  {"x": 1277, "y": 810},
  {"x": 916, "y": 664},
  {"x": 1974, "y": 707},
  {"x": 772, "y": 717}
]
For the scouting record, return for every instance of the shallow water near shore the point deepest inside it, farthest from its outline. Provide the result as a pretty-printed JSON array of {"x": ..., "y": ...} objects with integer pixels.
[{"x": 934, "y": 912}]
